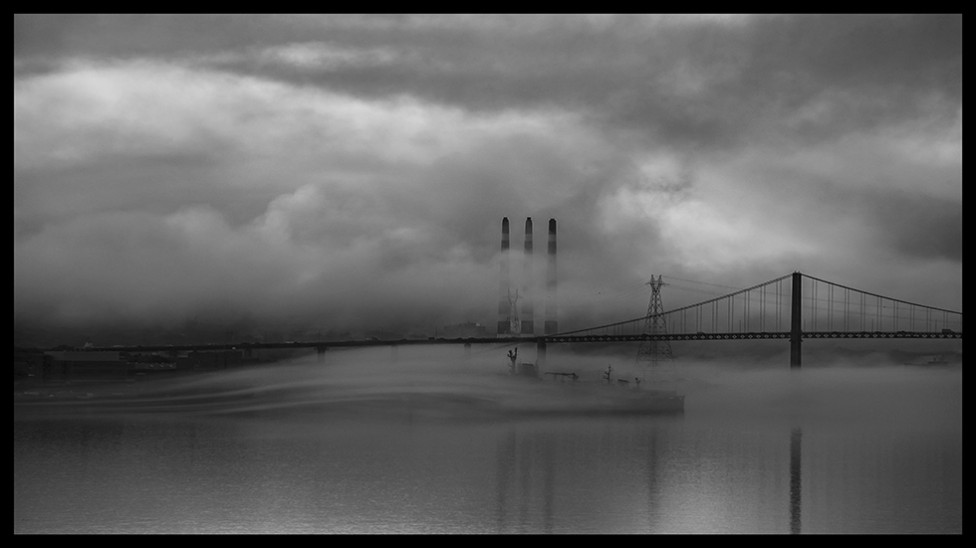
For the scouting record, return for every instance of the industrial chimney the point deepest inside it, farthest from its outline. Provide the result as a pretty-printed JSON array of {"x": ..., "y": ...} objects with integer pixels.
[
  {"x": 551, "y": 325},
  {"x": 527, "y": 312},
  {"x": 504, "y": 326}
]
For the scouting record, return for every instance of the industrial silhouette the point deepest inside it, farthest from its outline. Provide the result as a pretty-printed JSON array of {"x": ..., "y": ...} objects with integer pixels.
[{"x": 516, "y": 312}]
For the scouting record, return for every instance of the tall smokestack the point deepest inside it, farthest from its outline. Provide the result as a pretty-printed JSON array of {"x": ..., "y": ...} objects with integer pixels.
[
  {"x": 526, "y": 315},
  {"x": 504, "y": 326},
  {"x": 552, "y": 325}
]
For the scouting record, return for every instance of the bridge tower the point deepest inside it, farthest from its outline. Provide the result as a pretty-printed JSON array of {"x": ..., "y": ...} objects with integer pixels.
[
  {"x": 651, "y": 352},
  {"x": 796, "y": 322}
]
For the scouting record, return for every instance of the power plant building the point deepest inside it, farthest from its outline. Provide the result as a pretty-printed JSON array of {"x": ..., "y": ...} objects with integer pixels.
[{"x": 516, "y": 308}]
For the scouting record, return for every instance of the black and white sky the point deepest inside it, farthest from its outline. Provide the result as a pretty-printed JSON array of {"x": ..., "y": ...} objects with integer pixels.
[{"x": 350, "y": 172}]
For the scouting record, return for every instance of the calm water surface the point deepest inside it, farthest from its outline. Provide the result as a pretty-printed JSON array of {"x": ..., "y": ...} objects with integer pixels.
[{"x": 306, "y": 449}]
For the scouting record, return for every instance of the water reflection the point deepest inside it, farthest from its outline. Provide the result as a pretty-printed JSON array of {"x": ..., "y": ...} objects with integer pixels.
[
  {"x": 525, "y": 482},
  {"x": 583, "y": 476},
  {"x": 653, "y": 483},
  {"x": 269, "y": 462},
  {"x": 796, "y": 447}
]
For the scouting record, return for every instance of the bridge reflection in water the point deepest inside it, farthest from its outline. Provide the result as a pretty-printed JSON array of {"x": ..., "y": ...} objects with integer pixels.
[
  {"x": 796, "y": 450},
  {"x": 881, "y": 452},
  {"x": 537, "y": 492}
]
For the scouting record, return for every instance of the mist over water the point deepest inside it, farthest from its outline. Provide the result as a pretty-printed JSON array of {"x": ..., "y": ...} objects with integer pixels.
[
  {"x": 432, "y": 440},
  {"x": 844, "y": 390}
]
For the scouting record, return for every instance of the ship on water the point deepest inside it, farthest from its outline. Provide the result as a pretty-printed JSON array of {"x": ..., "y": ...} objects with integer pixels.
[
  {"x": 933, "y": 360},
  {"x": 568, "y": 392},
  {"x": 555, "y": 391}
]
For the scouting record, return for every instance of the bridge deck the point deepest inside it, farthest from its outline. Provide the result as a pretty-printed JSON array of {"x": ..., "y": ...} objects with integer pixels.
[{"x": 549, "y": 339}]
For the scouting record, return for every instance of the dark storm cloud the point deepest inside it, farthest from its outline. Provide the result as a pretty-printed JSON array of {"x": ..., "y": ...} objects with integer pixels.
[
  {"x": 680, "y": 81},
  {"x": 351, "y": 171},
  {"x": 916, "y": 225},
  {"x": 684, "y": 81}
]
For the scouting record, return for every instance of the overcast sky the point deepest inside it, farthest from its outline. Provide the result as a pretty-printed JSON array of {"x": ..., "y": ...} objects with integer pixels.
[{"x": 351, "y": 172}]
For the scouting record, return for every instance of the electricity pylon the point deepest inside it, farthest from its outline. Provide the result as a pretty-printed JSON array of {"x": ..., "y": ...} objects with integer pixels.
[{"x": 652, "y": 352}]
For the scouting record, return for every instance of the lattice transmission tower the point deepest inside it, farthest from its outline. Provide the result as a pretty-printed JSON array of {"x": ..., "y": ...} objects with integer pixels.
[{"x": 653, "y": 352}]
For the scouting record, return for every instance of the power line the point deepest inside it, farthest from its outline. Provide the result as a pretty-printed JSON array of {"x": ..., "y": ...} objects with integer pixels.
[{"x": 703, "y": 283}]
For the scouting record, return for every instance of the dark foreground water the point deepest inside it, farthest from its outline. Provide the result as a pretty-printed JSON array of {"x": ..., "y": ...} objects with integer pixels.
[{"x": 425, "y": 447}]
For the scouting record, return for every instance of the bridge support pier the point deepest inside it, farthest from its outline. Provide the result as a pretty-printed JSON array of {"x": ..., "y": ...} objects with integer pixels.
[
  {"x": 796, "y": 324},
  {"x": 320, "y": 353}
]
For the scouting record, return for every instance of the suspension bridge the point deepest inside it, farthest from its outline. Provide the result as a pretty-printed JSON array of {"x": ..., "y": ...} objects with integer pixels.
[{"x": 793, "y": 307}]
